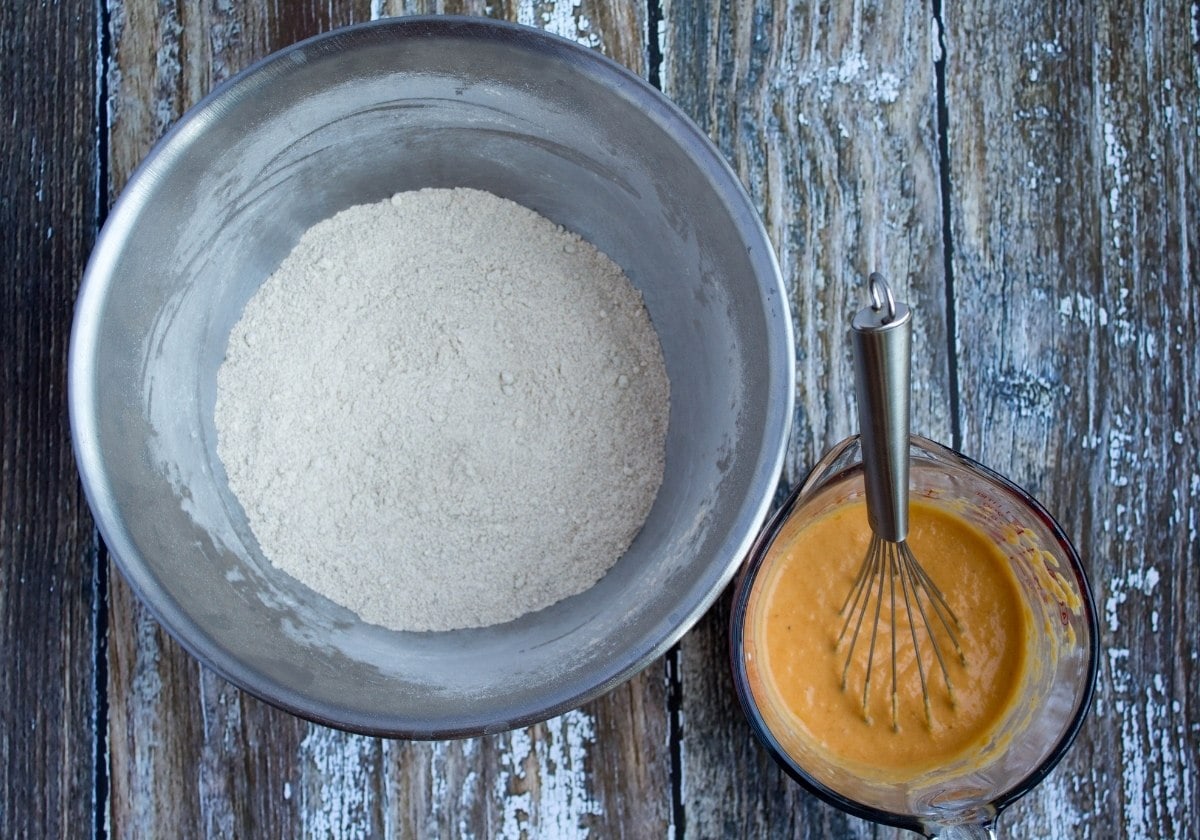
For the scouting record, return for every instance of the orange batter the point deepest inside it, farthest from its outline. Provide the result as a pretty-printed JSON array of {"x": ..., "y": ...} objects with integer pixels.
[{"x": 796, "y": 664}]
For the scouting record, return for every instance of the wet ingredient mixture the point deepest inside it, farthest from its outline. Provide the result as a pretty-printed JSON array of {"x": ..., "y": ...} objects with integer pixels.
[
  {"x": 443, "y": 411},
  {"x": 797, "y": 664}
]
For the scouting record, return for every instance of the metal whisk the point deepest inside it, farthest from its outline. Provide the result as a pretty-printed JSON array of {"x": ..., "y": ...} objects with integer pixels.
[{"x": 882, "y": 339}]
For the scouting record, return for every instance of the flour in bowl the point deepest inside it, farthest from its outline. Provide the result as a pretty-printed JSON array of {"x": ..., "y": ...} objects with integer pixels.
[{"x": 443, "y": 411}]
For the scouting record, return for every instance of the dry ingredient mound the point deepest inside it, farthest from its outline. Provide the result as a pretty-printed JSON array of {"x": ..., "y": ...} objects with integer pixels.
[{"x": 443, "y": 411}]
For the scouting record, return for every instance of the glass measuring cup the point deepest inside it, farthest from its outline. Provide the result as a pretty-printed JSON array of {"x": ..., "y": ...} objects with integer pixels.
[{"x": 964, "y": 797}]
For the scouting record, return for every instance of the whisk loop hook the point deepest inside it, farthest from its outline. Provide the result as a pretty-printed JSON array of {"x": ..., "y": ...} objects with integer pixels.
[{"x": 881, "y": 293}]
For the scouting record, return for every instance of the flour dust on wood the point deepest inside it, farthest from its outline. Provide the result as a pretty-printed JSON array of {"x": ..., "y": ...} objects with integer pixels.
[{"x": 443, "y": 411}]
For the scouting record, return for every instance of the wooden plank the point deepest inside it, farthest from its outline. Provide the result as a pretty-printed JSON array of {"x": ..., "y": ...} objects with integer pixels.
[
  {"x": 193, "y": 756},
  {"x": 49, "y": 555},
  {"x": 597, "y": 771},
  {"x": 190, "y": 755},
  {"x": 617, "y": 29},
  {"x": 1075, "y": 173},
  {"x": 827, "y": 112}
]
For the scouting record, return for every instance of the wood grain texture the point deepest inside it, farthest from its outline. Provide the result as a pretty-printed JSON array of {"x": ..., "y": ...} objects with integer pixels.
[
  {"x": 828, "y": 114},
  {"x": 191, "y": 754},
  {"x": 48, "y": 549},
  {"x": 615, "y": 28},
  {"x": 1073, "y": 153},
  {"x": 832, "y": 127},
  {"x": 1064, "y": 339}
]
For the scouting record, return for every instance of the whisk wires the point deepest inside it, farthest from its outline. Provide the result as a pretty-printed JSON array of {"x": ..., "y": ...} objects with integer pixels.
[{"x": 884, "y": 564}]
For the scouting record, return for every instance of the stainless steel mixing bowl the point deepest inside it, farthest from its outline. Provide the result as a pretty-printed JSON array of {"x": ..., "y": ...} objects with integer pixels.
[{"x": 352, "y": 117}]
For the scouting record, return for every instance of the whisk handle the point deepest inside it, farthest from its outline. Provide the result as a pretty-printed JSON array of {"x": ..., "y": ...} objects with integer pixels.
[{"x": 882, "y": 339}]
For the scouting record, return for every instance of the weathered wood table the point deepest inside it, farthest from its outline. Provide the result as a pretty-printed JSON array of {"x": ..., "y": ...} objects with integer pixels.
[{"x": 1028, "y": 173}]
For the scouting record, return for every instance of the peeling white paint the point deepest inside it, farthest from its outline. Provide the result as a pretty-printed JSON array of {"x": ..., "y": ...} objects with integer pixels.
[
  {"x": 1194, "y": 491},
  {"x": 449, "y": 799},
  {"x": 851, "y": 74},
  {"x": 563, "y": 18},
  {"x": 469, "y": 792},
  {"x": 221, "y": 717},
  {"x": 339, "y": 792},
  {"x": 466, "y": 798},
  {"x": 1084, "y": 308},
  {"x": 224, "y": 34},
  {"x": 1057, "y": 814},
  {"x": 1039, "y": 50},
  {"x": 517, "y": 807},
  {"x": 1144, "y": 581},
  {"x": 168, "y": 70},
  {"x": 884, "y": 88},
  {"x": 1156, "y": 779},
  {"x": 146, "y": 688},
  {"x": 1115, "y": 155},
  {"x": 1120, "y": 455},
  {"x": 437, "y": 780},
  {"x": 851, "y": 68},
  {"x": 542, "y": 782},
  {"x": 664, "y": 41}
]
